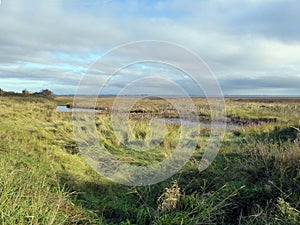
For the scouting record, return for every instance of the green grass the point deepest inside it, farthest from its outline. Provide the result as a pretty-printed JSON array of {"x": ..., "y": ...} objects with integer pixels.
[{"x": 255, "y": 179}]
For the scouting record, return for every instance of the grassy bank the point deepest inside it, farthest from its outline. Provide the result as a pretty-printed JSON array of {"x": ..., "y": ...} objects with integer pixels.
[{"x": 255, "y": 178}]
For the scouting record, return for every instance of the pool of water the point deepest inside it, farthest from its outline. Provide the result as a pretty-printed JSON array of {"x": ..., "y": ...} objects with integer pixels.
[
  {"x": 229, "y": 127},
  {"x": 63, "y": 108}
]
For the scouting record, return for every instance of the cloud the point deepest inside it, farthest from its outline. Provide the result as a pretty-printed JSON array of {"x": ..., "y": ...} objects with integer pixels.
[{"x": 55, "y": 42}]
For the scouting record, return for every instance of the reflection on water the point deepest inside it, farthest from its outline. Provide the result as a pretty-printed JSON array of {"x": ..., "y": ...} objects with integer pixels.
[
  {"x": 63, "y": 108},
  {"x": 229, "y": 127}
]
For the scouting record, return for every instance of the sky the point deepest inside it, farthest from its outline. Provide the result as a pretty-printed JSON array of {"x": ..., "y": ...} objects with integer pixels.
[{"x": 252, "y": 47}]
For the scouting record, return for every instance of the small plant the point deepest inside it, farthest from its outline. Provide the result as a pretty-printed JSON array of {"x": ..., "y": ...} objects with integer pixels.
[
  {"x": 169, "y": 199},
  {"x": 287, "y": 213},
  {"x": 237, "y": 133}
]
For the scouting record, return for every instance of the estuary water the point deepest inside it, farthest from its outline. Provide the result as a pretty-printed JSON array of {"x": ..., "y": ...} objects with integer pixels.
[
  {"x": 63, "y": 108},
  {"x": 179, "y": 121}
]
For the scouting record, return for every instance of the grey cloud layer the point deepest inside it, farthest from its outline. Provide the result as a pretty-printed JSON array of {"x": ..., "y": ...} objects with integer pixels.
[{"x": 259, "y": 40}]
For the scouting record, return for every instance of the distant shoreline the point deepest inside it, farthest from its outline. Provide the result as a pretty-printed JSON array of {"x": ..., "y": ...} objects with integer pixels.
[{"x": 192, "y": 96}]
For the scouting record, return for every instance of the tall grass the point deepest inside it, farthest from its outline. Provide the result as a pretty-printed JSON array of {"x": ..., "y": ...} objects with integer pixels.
[{"x": 255, "y": 179}]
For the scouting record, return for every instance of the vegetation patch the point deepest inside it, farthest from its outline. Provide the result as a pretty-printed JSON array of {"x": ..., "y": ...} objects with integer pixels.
[{"x": 254, "y": 179}]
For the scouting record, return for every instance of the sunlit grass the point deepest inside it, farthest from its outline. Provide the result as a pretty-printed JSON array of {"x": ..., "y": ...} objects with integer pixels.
[{"x": 44, "y": 179}]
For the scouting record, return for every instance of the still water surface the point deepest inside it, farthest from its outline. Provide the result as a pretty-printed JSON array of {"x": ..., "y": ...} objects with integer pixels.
[
  {"x": 63, "y": 108},
  {"x": 229, "y": 127}
]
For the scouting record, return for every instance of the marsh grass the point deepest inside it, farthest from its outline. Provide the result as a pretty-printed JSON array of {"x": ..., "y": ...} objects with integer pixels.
[{"x": 255, "y": 178}]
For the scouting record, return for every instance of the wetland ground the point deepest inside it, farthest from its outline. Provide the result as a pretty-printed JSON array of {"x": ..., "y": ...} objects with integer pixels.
[{"x": 255, "y": 179}]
